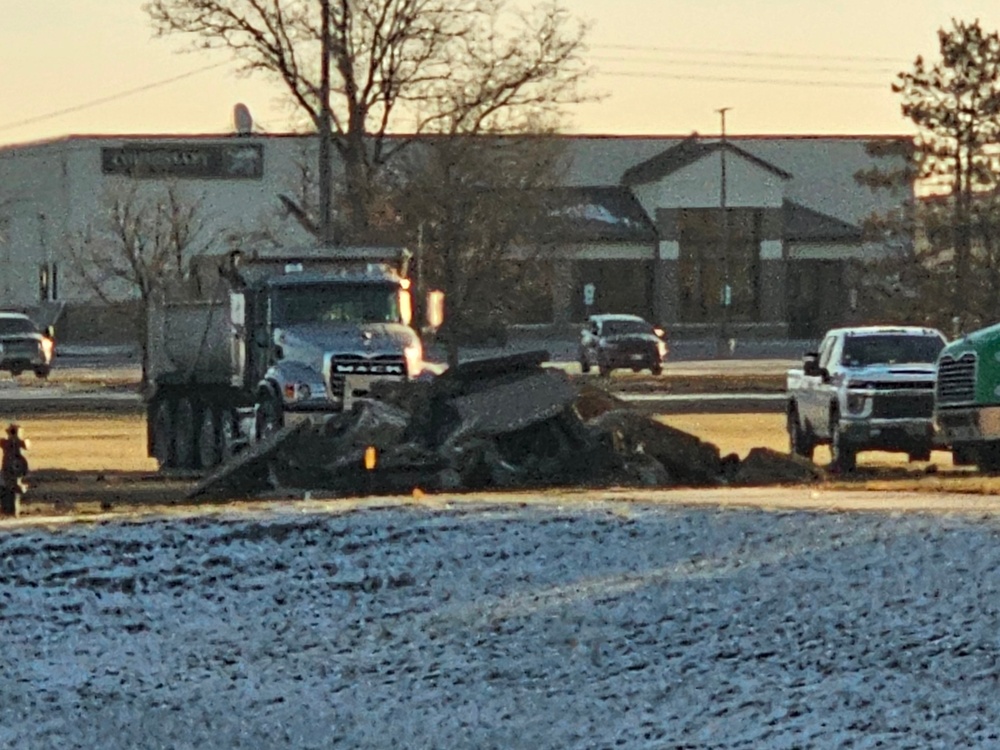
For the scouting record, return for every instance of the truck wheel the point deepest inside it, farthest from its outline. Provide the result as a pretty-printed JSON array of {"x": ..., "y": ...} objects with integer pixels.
[
  {"x": 799, "y": 442},
  {"x": 656, "y": 370},
  {"x": 42, "y": 371},
  {"x": 162, "y": 436},
  {"x": 584, "y": 363},
  {"x": 988, "y": 457},
  {"x": 208, "y": 439},
  {"x": 963, "y": 455},
  {"x": 185, "y": 435},
  {"x": 921, "y": 454},
  {"x": 270, "y": 417},
  {"x": 604, "y": 368},
  {"x": 845, "y": 455},
  {"x": 229, "y": 433}
]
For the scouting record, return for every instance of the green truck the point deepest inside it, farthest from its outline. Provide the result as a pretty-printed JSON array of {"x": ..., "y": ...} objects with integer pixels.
[{"x": 967, "y": 398}]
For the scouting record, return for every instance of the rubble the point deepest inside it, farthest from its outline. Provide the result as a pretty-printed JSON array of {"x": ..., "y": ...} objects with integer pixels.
[{"x": 499, "y": 423}]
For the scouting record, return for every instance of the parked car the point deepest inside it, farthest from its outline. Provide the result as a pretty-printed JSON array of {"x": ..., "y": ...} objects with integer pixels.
[
  {"x": 866, "y": 388},
  {"x": 610, "y": 342},
  {"x": 23, "y": 346}
]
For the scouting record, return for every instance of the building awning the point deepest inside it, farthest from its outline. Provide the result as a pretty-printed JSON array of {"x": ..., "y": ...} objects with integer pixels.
[{"x": 592, "y": 214}]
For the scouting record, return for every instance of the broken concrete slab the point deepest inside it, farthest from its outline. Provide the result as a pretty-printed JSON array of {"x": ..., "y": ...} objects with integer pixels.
[
  {"x": 687, "y": 459},
  {"x": 764, "y": 466}
]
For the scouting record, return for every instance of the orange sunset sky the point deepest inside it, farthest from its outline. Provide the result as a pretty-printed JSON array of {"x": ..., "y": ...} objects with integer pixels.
[{"x": 665, "y": 66}]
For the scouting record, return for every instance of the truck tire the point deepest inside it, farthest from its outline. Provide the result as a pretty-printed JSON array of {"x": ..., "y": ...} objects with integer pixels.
[
  {"x": 162, "y": 435},
  {"x": 920, "y": 454},
  {"x": 185, "y": 435},
  {"x": 963, "y": 455},
  {"x": 584, "y": 363},
  {"x": 209, "y": 453},
  {"x": 270, "y": 416},
  {"x": 800, "y": 443},
  {"x": 988, "y": 457},
  {"x": 42, "y": 371},
  {"x": 844, "y": 455}
]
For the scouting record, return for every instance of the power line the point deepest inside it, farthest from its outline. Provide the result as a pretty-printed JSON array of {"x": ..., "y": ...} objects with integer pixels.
[
  {"x": 688, "y": 62},
  {"x": 109, "y": 99},
  {"x": 752, "y": 53},
  {"x": 733, "y": 79}
]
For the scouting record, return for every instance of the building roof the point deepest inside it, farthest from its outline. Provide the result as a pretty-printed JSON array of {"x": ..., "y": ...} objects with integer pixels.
[
  {"x": 806, "y": 225},
  {"x": 594, "y": 214},
  {"x": 688, "y": 152}
]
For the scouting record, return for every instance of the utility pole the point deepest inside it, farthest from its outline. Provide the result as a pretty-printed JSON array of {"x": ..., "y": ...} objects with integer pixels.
[
  {"x": 726, "y": 293},
  {"x": 325, "y": 177}
]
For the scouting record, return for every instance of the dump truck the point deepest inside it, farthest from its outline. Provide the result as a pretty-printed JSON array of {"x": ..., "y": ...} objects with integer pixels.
[
  {"x": 239, "y": 348},
  {"x": 967, "y": 401}
]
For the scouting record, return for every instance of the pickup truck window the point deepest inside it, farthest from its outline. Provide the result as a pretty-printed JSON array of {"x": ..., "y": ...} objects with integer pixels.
[
  {"x": 890, "y": 349},
  {"x": 825, "y": 350}
]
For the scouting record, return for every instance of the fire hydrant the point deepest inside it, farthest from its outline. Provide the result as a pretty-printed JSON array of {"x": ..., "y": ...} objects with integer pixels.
[{"x": 13, "y": 470}]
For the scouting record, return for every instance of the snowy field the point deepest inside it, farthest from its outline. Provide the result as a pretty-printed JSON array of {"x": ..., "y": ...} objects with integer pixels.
[{"x": 595, "y": 625}]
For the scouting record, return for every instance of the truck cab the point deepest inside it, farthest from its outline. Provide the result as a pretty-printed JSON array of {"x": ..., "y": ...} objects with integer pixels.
[
  {"x": 237, "y": 352},
  {"x": 865, "y": 388}
]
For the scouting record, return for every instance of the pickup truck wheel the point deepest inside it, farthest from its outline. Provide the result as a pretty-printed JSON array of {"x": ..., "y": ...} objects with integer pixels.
[
  {"x": 845, "y": 455},
  {"x": 963, "y": 455},
  {"x": 270, "y": 417},
  {"x": 656, "y": 370},
  {"x": 584, "y": 363},
  {"x": 42, "y": 371},
  {"x": 208, "y": 439},
  {"x": 162, "y": 436},
  {"x": 185, "y": 435},
  {"x": 922, "y": 454},
  {"x": 799, "y": 441}
]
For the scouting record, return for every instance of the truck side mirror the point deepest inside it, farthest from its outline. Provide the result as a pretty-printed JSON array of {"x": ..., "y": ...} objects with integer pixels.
[{"x": 810, "y": 364}]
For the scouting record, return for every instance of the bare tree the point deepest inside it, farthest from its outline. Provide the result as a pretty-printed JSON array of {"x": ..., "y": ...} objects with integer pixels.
[
  {"x": 144, "y": 240},
  {"x": 476, "y": 203},
  {"x": 398, "y": 66}
]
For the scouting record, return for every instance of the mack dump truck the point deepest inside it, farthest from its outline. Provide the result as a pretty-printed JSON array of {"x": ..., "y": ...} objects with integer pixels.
[
  {"x": 240, "y": 348},
  {"x": 967, "y": 400}
]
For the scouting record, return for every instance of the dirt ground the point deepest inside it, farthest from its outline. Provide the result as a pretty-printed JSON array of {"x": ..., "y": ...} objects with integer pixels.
[{"x": 93, "y": 464}]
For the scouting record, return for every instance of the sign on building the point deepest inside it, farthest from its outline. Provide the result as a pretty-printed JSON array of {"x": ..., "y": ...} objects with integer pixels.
[{"x": 190, "y": 160}]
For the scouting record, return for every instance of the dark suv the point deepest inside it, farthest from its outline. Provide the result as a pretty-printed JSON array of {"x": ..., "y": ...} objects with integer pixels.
[{"x": 611, "y": 342}]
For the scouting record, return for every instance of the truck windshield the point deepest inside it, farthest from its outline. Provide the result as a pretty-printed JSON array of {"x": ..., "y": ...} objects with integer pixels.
[
  {"x": 336, "y": 303},
  {"x": 890, "y": 349},
  {"x": 16, "y": 325}
]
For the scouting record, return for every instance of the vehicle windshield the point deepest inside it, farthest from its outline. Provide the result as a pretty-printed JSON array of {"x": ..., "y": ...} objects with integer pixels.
[
  {"x": 624, "y": 327},
  {"x": 14, "y": 326},
  {"x": 336, "y": 303},
  {"x": 890, "y": 349}
]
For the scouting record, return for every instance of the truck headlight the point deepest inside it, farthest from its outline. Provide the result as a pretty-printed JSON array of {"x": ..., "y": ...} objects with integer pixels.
[
  {"x": 414, "y": 355},
  {"x": 856, "y": 402}
]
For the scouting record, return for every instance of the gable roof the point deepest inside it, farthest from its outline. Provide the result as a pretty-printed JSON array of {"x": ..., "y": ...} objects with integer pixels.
[
  {"x": 593, "y": 214},
  {"x": 685, "y": 153},
  {"x": 806, "y": 225}
]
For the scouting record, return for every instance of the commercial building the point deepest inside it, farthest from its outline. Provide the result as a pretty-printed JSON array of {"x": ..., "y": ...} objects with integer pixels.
[{"x": 760, "y": 232}]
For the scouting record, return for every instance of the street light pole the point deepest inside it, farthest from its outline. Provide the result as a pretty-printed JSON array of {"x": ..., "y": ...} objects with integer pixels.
[
  {"x": 324, "y": 173},
  {"x": 726, "y": 294}
]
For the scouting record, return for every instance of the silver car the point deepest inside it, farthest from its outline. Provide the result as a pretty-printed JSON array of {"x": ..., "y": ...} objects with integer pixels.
[{"x": 23, "y": 346}]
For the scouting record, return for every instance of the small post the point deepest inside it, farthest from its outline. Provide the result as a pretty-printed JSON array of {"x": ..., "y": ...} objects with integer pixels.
[{"x": 13, "y": 469}]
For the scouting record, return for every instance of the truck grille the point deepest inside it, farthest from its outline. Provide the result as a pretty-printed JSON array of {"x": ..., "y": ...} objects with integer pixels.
[
  {"x": 903, "y": 405},
  {"x": 384, "y": 365},
  {"x": 956, "y": 381}
]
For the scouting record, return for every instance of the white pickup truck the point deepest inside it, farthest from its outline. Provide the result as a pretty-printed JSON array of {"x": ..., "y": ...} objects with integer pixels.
[{"x": 866, "y": 388}]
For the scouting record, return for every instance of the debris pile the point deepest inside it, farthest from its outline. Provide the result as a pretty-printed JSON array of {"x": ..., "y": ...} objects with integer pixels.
[{"x": 499, "y": 423}]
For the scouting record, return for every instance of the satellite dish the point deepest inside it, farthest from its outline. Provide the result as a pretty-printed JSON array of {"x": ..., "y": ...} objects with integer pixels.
[{"x": 243, "y": 119}]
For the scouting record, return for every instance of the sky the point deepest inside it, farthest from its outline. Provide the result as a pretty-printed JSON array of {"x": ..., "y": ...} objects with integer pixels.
[{"x": 663, "y": 67}]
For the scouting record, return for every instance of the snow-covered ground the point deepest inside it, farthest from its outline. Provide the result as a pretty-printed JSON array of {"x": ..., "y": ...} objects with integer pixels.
[{"x": 593, "y": 625}]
